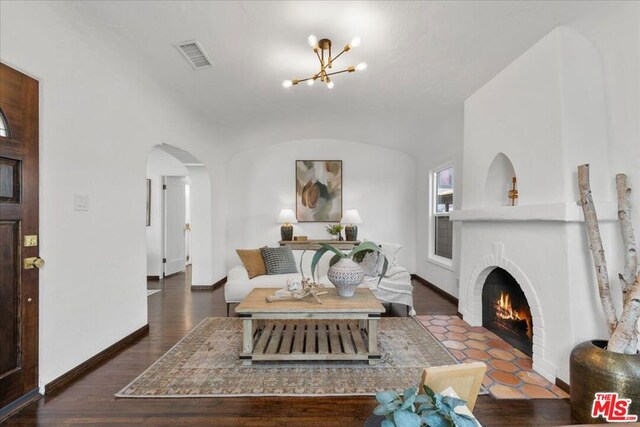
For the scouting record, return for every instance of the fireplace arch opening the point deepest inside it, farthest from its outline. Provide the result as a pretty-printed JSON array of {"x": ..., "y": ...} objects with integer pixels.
[{"x": 506, "y": 311}]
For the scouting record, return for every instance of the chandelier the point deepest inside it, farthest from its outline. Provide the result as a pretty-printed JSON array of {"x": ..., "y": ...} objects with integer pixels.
[{"x": 322, "y": 48}]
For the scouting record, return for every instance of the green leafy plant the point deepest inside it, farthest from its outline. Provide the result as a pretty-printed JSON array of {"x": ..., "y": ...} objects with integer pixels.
[
  {"x": 419, "y": 410},
  {"x": 335, "y": 229},
  {"x": 365, "y": 246}
]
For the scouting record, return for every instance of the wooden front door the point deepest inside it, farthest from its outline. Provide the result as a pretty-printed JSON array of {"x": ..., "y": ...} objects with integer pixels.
[{"x": 18, "y": 235}]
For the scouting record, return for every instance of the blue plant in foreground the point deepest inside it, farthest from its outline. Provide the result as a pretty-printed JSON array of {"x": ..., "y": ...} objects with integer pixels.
[{"x": 420, "y": 410}]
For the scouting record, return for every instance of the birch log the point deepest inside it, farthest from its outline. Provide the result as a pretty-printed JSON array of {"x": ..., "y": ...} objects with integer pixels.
[
  {"x": 628, "y": 238},
  {"x": 595, "y": 244},
  {"x": 625, "y": 338},
  {"x": 626, "y": 329}
]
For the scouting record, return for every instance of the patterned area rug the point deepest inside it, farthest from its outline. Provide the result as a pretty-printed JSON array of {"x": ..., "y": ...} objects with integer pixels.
[
  {"x": 510, "y": 374},
  {"x": 205, "y": 364}
]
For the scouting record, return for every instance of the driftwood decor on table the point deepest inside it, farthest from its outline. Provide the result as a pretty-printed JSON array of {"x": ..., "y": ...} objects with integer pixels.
[
  {"x": 623, "y": 330},
  {"x": 306, "y": 288}
]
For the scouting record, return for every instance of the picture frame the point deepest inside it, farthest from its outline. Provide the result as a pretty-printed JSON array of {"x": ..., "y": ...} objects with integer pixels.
[
  {"x": 318, "y": 190},
  {"x": 148, "y": 202}
]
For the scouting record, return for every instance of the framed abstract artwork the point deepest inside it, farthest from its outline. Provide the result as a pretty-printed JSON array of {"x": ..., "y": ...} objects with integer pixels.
[{"x": 319, "y": 190}]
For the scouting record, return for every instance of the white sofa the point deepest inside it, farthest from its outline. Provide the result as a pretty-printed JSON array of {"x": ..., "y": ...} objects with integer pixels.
[{"x": 395, "y": 287}]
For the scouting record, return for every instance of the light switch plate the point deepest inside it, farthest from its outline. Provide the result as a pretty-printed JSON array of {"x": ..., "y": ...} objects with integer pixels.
[{"x": 81, "y": 202}]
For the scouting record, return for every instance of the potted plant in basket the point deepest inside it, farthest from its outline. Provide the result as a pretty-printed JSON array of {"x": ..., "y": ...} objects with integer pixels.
[
  {"x": 344, "y": 272},
  {"x": 613, "y": 365},
  {"x": 419, "y": 410},
  {"x": 334, "y": 231}
]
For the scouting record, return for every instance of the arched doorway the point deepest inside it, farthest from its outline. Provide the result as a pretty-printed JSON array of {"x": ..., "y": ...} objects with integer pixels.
[{"x": 178, "y": 217}]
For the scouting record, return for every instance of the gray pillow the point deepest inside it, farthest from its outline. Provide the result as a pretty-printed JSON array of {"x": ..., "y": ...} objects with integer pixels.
[{"x": 279, "y": 260}]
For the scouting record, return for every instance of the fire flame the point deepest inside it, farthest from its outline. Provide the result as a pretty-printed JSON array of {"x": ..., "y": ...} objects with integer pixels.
[{"x": 504, "y": 310}]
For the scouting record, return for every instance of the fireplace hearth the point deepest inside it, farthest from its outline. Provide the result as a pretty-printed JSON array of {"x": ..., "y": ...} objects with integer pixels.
[{"x": 506, "y": 312}]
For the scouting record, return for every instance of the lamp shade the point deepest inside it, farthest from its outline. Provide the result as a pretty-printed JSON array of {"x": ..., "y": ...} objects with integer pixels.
[
  {"x": 351, "y": 216},
  {"x": 287, "y": 217}
]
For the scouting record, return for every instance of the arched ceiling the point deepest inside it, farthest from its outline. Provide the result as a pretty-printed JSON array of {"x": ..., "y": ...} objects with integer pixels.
[{"x": 425, "y": 59}]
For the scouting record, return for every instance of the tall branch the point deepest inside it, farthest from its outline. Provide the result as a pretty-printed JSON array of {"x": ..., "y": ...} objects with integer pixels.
[
  {"x": 595, "y": 244},
  {"x": 625, "y": 338},
  {"x": 626, "y": 330},
  {"x": 624, "y": 215}
]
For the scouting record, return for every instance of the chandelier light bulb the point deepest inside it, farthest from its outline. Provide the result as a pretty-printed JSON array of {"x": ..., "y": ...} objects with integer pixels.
[
  {"x": 313, "y": 40},
  {"x": 330, "y": 84},
  {"x": 361, "y": 66},
  {"x": 310, "y": 82},
  {"x": 287, "y": 83},
  {"x": 355, "y": 42}
]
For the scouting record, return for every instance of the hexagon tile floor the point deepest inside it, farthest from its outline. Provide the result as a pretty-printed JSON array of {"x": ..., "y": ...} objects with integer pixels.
[{"x": 509, "y": 372}]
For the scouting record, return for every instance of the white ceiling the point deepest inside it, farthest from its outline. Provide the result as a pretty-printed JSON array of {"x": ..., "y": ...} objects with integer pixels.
[{"x": 425, "y": 59}]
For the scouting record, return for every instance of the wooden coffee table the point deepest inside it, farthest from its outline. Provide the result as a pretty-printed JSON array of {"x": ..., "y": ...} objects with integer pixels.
[{"x": 339, "y": 329}]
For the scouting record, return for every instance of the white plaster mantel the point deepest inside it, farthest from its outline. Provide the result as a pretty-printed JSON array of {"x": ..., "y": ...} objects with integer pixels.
[
  {"x": 561, "y": 212},
  {"x": 537, "y": 120}
]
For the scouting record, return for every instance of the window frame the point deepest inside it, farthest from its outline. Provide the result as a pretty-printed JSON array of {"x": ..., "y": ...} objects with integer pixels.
[{"x": 433, "y": 194}]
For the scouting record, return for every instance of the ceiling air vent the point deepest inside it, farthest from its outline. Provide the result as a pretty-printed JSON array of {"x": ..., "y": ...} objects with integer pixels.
[{"x": 195, "y": 54}]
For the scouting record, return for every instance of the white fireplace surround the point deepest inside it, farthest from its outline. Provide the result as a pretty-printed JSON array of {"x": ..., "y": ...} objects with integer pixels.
[
  {"x": 473, "y": 312},
  {"x": 538, "y": 119}
]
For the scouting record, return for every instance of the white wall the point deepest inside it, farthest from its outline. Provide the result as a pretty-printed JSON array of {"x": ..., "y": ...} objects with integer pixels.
[
  {"x": 545, "y": 113},
  {"x": 99, "y": 119},
  {"x": 616, "y": 36},
  {"x": 159, "y": 164},
  {"x": 378, "y": 182},
  {"x": 442, "y": 145}
]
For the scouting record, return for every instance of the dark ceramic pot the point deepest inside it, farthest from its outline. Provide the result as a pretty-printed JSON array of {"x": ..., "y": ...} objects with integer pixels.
[
  {"x": 351, "y": 233},
  {"x": 596, "y": 370}
]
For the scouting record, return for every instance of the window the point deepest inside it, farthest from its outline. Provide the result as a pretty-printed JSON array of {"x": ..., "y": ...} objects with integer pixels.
[
  {"x": 4, "y": 128},
  {"x": 442, "y": 195}
]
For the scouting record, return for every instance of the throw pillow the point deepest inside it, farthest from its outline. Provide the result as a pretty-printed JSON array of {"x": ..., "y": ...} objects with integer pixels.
[
  {"x": 252, "y": 261},
  {"x": 279, "y": 260},
  {"x": 369, "y": 264},
  {"x": 390, "y": 250}
]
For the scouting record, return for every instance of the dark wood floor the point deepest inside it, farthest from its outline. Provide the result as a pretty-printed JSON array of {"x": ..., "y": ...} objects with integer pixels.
[{"x": 173, "y": 313}]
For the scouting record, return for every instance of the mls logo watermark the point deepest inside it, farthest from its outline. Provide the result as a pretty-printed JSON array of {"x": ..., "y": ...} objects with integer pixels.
[{"x": 612, "y": 408}]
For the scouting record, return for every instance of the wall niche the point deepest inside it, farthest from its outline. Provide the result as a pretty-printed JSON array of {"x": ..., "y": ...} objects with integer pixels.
[{"x": 499, "y": 182}]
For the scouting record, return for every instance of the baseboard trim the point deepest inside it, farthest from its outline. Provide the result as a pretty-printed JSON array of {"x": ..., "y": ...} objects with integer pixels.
[
  {"x": 19, "y": 404},
  {"x": 212, "y": 287},
  {"x": 563, "y": 386},
  {"x": 153, "y": 278},
  {"x": 67, "y": 378},
  {"x": 434, "y": 288}
]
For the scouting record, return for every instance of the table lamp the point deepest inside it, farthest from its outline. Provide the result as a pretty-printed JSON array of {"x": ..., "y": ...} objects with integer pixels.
[
  {"x": 350, "y": 218},
  {"x": 286, "y": 218}
]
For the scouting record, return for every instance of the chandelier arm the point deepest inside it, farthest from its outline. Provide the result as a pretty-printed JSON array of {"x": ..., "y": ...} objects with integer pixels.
[
  {"x": 314, "y": 77},
  {"x": 336, "y": 57},
  {"x": 346, "y": 70},
  {"x": 319, "y": 58}
]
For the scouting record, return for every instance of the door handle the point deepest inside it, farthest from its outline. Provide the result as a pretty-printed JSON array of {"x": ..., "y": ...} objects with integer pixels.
[{"x": 33, "y": 262}]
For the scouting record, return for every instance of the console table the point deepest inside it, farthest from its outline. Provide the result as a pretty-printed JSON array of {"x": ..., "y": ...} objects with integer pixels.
[{"x": 315, "y": 244}]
